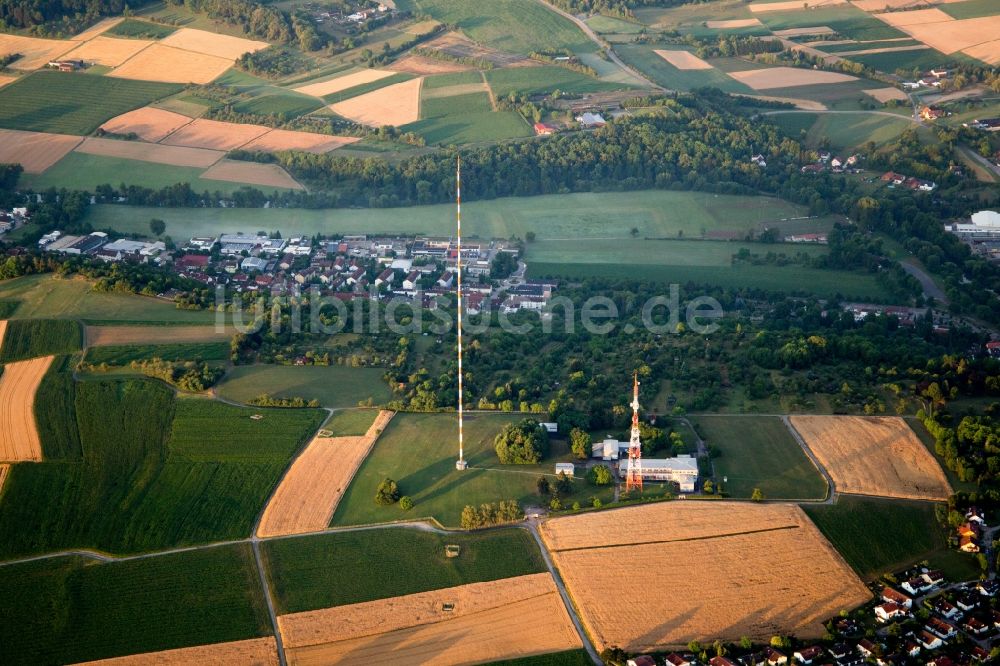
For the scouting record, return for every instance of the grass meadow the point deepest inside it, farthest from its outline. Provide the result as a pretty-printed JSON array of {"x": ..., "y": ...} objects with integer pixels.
[
  {"x": 70, "y": 609},
  {"x": 333, "y": 385},
  {"x": 186, "y": 351},
  {"x": 350, "y": 422},
  {"x": 759, "y": 452},
  {"x": 845, "y": 19},
  {"x": 471, "y": 127},
  {"x": 135, "y": 29},
  {"x": 646, "y": 61},
  {"x": 31, "y": 338},
  {"x": 877, "y": 536},
  {"x": 308, "y": 573},
  {"x": 68, "y": 103},
  {"x": 287, "y": 105},
  {"x": 371, "y": 86},
  {"x": 544, "y": 79},
  {"x": 843, "y": 131}
]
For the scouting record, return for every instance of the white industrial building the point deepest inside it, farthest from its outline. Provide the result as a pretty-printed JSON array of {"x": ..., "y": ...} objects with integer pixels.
[
  {"x": 984, "y": 225},
  {"x": 682, "y": 470}
]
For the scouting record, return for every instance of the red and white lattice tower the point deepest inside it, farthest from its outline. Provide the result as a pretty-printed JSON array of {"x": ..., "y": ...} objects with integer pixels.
[
  {"x": 633, "y": 478},
  {"x": 460, "y": 463}
]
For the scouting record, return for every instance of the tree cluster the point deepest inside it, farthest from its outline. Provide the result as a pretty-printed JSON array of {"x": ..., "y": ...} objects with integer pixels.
[
  {"x": 522, "y": 443},
  {"x": 488, "y": 515}
]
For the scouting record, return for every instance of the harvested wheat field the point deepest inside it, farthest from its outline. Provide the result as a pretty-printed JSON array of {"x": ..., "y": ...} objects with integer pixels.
[
  {"x": 787, "y": 77},
  {"x": 398, "y": 104},
  {"x": 307, "y": 142},
  {"x": 885, "y": 49},
  {"x": 150, "y": 152},
  {"x": 885, "y": 94},
  {"x": 211, "y": 43},
  {"x": 252, "y": 173},
  {"x": 4, "y": 471},
  {"x": 35, "y": 151},
  {"x": 799, "y": 32},
  {"x": 254, "y": 651},
  {"x": 3, "y": 329},
  {"x": 453, "y": 91},
  {"x": 758, "y": 7},
  {"x": 98, "y": 28},
  {"x": 950, "y": 36},
  {"x": 873, "y": 456},
  {"x": 884, "y": 5},
  {"x": 988, "y": 52},
  {"x": 733, "y": 23},
  {"x": 215, "y": 134},
  {"x": 103, "y": 336},
  {"x": 5, "y": 79},
  {"x": 35, "y": 52},
  {"x": 170, "y": 65},
  {"x": 311, "y": 489},
  {"x": 915, "y": 17},
  {"x": 759, "y": 569},
  {"x": 107, "y": 50},
  {"x": 148, "y": 123},
  {"x": 502, "y": 619},
  {"x": 682, "y": 59},
  {"x": 18, "y": 432},
  {"x": 343, "y": 82},
  {"x": 423, "y": 65},
  {"x": 805, "y": 104}
]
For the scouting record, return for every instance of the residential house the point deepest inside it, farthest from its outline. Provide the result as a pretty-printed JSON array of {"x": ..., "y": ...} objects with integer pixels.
[
  {"x": 975, "y": 626},
  {"x": 929, "y": 641},
  {"x": 253, "y": 264},
  {"x": 867, "y": 648},
  {"x": 988, "y": 588},
  {"x": 544, "y": 129},
  {"x": 813, "y": 168},
  {"x": 588, "y": 120},
  {"x": 759, "y": 160},
  {"x": 916, "y": 585},
  {"x": 911, "y": 648},
  {"x": 721, "y": 661},
  {"x": 446, "y": 280},
  {"x": 641, "y": 660},
  {"x": 411, "y": 281},
  {"x": 808, "y": 655},
  {"x": 980, "y": 654},
  {"x": 889, "y": 611},
  {"x": 192, "y": 262},
  {"x": 931, "y": 112},
  {"x": 945, "y": 608},
  {"x": 893, "y": 178},
  {"x": 933, "y": 577},
  {"x": 940, "y": 627},
  {"x": 967, "y": 602},
  {"x": 775, "y": 657},
  {"x": 385, "y": 277},
  {"x": 674, "y": 659}
]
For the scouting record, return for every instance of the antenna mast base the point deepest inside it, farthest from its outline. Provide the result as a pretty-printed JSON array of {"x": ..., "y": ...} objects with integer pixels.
[{"x": 461, "y": 465}]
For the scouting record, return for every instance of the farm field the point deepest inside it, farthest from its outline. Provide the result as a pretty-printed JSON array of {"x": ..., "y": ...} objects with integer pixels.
[
  {"x": 151, "y": 152},
  {"x": 844, "y": 131},
  {"x": 655, "y": 213},
  {"x": 286, "y": 105},
  {"x": 369, "y": 87},
  {"x": 845, "y": 19},
  {"x": 97, "y": 336},
  {"x": 321, "y": 571},
  {"x": 149, "y": 123},
  {"x": 31, "y": 338},
  {"x": 35, "y": 151},
  {"x": 311, "y": 489},
  {"x": 512, "y": 617},
  {"x": 333, "y": 386},
  {"x": 267, "y": 176},
  {"x": 397, "y": 104},
  {"x": 215, "y": 134},
  {"x": 107, "y": 51},
  {"x": 759, "y": 452},
  {"x": 470, "y": 127},
  {"x": 257, "y": 651},
  {"x": 544, "y": 79},
  {"x": 647, "y": 61},
  {"x": 279, "y": 139},
  {"x": 67, "y": 103},
  {"x": 418, "y": 451},
  {"x": 787, "y": 77},
  {"x": 34, "y": 52},
  {"x": 135, "y": 29},
  {"x": 72, "y": 609},
  {"x": 56, "y": 421},
  {"x": 877, "y": 536},
  {"x": 212, "y": 43},
  {"x": 124, "y": 355},
  {"x": 19, "y": 439},
  {"x": 873, "y": 456},
  {"x": 761, "y": 570},
  {"x": 162, "y": 63},
  {"x": 343, "y": 81}
]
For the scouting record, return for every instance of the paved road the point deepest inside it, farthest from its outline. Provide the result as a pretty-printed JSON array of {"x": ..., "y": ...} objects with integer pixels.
[
  {"x": 987, "y": 164},
  {"x": 931, "y": 290}
]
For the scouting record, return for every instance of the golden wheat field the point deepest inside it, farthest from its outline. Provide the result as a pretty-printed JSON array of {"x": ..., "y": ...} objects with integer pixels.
[
  {"x": 885, "y": 94},
  {"x": 279, "y": 139},
  {"x": 682, "y": 59},
  {"x": 344, "y": 82},
  {"x": 951, "y": 36},
  {"x": 169, "y": 65},
  {"x": 151, "y": 152},
  {"x": 873, "y": 456},
  {"x": 733, "y": 23},
  {"x": 757, "y": 570},
  {"x": 3, "y": 331},
  {"x": 35, "y": 151},
  {"x": 215, "y": 134},
  {"x": 148, "y": 123},
  {"x": 250, "y": 652},
  {"x": 35, "y": 52},
  {"x": 18, "y": 429},
  {"x": 787, "y": 77},
  {"x": 4, "y": 471},
  {"x": 988, "y": 52},
  {"x": 398, "y": 104},
  {"x": 310, "y": 491},
  {"x": 502, "y": 619},
  {"x": 423, "y": 65},
  {"x": 252, "y": 173},
  {"x": 107, "y": 50},
  {"x": 212, "y": 43}
]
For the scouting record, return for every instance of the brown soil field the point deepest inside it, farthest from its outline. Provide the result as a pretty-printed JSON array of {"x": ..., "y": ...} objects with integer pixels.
[
  {"x": 988, "y": 52},
  {"x": 343, "y": 82},
  {"x": 35, "y": 52},
  {"x": 798, "y": 32},
  {"x": 885, "y": 94},
  {"x": 149, "y": 123},
  {"x": 215, "y": 134},
  {"x": 312, "y": 487},
  {"x": 423, "y": 65},
  {"x": 170, "y": 65},
  {"x": 308, "y": 142},
  {"x": 733, "y": 23},
  {"x": 682, "y": 59},
  {"x": 887, "y": 49},
  {"x": 151, "y": 152},
  {"x": 451, "y": 91},
  {"x": 35, "y": 151},
  {"x": 252, "y": 173},
  {"x": 915, "y": 17},
  {"x": 103, "y": 336},
  {"x": 873, "y": 456},
  {"x": 502, "y": 619},
  {"x": 107, "y": 50},
  {"x": 4, "y": 471},
  {"x": 458, "y": 45},
  {"x": 951, "y": 36},
  {"x": 98, "y": 28},
  {"x": 759, "y": 570},
  {"x": 397, "y": 104},
  {"x": 758, "y": 7},
  {"x": 254, "y": 651},
  {"x": 5, "y": 79},
  {"x": 212, "y": 44},
  {"x": 806, "y": 104},
  {"x": 18, "y": 432},
  {"x": 787, "y": 77}
]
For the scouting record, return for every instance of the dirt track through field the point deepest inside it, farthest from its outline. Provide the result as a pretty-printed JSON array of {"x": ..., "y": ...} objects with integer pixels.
[
  {"x": 151, "y": 152},
  {"x": 103, "y": 336},
  {"x": 873, "y": 456},
  {"x": 18, "y": 430},
  {"x": 35, "y": 151},
  {"x": 502, "y": 619},
  {"x": 252, "y": 173},
  {"x": 308, "y": 495},
  {"x": 148, "y": 123},
  {"x": 759, "y": 570},
  {"x": 395, "y": 105},
  {"x": 254, "y": 651}
]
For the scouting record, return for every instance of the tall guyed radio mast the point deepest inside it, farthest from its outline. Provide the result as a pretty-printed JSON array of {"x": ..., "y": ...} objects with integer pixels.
[
  {"x": 461, "y": 463},
  {"x": 633, "y": 478}
]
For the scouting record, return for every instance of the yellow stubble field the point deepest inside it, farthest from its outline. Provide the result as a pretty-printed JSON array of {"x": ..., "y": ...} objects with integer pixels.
[
  {"x": 398, "y": 104},
  {"x": 35, "y": 52},
  {"x": 148, "y": 123},
  {"x": 252, "y": 173},
  {"x": 169, "y": 65},
  {"x": 151, "y": 152},
  {"x": 215, "y": 134},
  {"x": 344, "y": 82},
  {"x": 35, "y": 151},
  {"x": 107, "y": 50},
  {"x": 211, "y": 43},
  {"x": 252, "y": 652},
  {"x": 18, "y": 430}
]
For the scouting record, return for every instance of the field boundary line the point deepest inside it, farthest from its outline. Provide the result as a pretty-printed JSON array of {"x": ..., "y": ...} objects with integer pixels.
[
  {"x": 174, "y": 131},
  {"x": 266, "y": 589},
  {"x": 831, "y": 487},
  {"x": 489, "y": 90},
  {"x": 685, "y": 539}
]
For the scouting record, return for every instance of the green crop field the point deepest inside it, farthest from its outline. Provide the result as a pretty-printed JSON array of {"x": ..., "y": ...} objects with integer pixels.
[
  {"x": 470, "y": 127},
  {"x": 419, "y": 452},
  {"x": 655, "y": 213},
  {"x": 8, "y": 307},
  {"x": 72, "y": 609},
  {"x": 45, "y": 296},
  {"x": 602, "y": 24},
  {"x": 31, "y": 338},
  {"x": 843, "y": 131},
  {"x": 140, "y": 30},
  {"x": 287, "y": 105},
  {"x": 435, "y": 81},
  {"x": 333, "y": 385},
  {"x": 759, "y": 452},
  {"x": 519, "y": 26},
  {"x": 371, "y": 86},
  {"x": 545, "y": 79},
  {"x": 878, "y": 536},
  {"x": 308, "y": 573},
  {"x": 458, "y": 105},
  {"x": 910, "y": 61},
  {"x": 646, "y": 61},
  {"x": 846, "y": 96},
  {"x": 154, "y": 473},
  {"x": 854, "y": 46},
  {"x": 348, "y": 422},
  {"x": 55, "y": 412},
  {"x": 655, "y": 252},
  {"x": 68, "y": 103},
  {"x": 971, "y": 9},
  {"x": 185, "y": 351},
  {"x": 845, "y": 19},
  {"x": 565, "y": 658}
]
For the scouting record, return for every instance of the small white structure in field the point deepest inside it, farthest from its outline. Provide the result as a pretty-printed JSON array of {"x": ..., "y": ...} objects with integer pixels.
[
  {"x": 550, "y": 427},
  {"x": 565, "y": 468}
]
